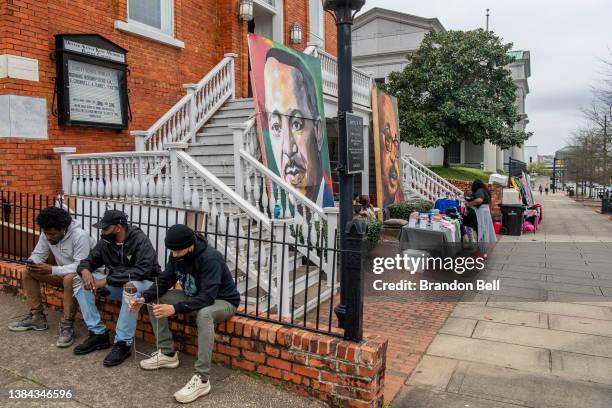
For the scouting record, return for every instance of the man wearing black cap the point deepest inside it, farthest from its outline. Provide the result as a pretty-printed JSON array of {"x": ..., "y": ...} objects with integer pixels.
[
  {"x": 128, "y": 256},
  {"x": 208, "y": 291}
]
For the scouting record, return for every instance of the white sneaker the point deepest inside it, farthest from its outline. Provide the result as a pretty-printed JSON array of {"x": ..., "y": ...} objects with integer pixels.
[
  {"x": 160, "y": 360},
  {"x": 193, "y": 390}
]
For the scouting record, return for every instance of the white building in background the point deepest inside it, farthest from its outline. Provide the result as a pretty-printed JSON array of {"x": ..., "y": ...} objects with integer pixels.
[
  {"x": 382, "y": 40},
  {"x": 530, "y": 153}
]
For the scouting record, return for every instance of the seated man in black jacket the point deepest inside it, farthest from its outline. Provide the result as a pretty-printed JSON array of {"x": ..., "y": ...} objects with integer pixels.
[
  {"x": 208, "y": 290},
  {"x": 128, "y": 256}
]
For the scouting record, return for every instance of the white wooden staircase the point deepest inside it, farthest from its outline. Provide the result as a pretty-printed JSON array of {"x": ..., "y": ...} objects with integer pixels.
[{"x": 202, "y": 157}]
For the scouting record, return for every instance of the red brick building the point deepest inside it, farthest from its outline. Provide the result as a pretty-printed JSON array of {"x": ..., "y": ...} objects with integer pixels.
[{"x": 169, "y": 43}]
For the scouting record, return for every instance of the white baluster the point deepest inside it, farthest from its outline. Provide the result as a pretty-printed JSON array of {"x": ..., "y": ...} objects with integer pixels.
[
  {"x": 195, "y": 197},
  {"x": 159, "y": 184},
  {"x": 135, "y": 178},
  {"x": 74, "y": 187},
  {"x": 94, "y": 177},
  {"x": 247, "y": 183},
  {"x": 151, "y": 179},
  {"x": 186, "y": 188},
  {"x": 121, "y": 178},
  {"x": 256, "y": 192},
  {"x": 142, "y": 164},
  {"x": 167, "y": 185},
  {"x": 108, "y": 179},
  {"x": 129, "y": 185},
  {"x": 87, "y": 191},
  {"x": 100, "y": 170},
  {"x": 205, "y": 207},
  {"x": 264, "y": 194},
  {"x": 81, "y": 186}
]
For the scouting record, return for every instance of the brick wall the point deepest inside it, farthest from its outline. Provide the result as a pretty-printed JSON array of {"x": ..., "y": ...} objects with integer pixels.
[
  {"x": 494, "y": 189},
  {"x": 342, "y": 373},
  {"x": 209, "y": 28}
]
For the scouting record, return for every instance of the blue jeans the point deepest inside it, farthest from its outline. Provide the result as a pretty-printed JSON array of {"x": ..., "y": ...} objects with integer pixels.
[{"x": 126, "y": 325}]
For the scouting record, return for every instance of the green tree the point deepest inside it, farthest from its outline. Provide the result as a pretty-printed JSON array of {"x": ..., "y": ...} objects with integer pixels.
[
  {"x": 538, "y": 168},
  {"x": 455, "y": 88}
]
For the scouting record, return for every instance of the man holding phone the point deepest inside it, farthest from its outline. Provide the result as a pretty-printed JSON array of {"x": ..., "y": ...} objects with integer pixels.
[
  {"x": 69, "y": 244},
  {"x": 207, "y": 291}
]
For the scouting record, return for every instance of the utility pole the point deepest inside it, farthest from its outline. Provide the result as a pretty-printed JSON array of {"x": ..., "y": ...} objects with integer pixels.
[{"x": 605, "y": 152}]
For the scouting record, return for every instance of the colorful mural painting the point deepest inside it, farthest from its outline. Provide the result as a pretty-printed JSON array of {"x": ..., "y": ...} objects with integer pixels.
[
  {"x": 288, "y": 93},
  {"x": 385, "y": 119}
]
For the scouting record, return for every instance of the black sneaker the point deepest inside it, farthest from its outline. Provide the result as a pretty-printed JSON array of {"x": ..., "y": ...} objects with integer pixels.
[
  {"x": 93, "y": 342},
  {"x": 118, "y": 354}
]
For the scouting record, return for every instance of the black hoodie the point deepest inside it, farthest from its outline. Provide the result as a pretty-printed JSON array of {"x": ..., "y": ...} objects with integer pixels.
[
  {"x": 204, "y": 277},
  {"x": 135, "y": 258}
]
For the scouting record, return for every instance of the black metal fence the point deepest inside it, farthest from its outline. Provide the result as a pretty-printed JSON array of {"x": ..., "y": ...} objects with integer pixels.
[{"x": 286, "y": 273}]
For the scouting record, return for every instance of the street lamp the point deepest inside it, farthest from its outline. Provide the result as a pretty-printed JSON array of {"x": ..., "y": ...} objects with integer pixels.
[{"x": 350, "y": 309}]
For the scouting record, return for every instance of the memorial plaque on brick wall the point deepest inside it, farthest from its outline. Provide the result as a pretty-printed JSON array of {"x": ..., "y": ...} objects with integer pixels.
[
  {"x": 354, "y": 142},
  {"x": 92, "y": 85}
]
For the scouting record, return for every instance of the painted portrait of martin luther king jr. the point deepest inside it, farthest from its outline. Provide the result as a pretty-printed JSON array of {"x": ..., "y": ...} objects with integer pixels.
[
  {"x": 386, "y": 149},
  {"x": 287, "y": 89}
]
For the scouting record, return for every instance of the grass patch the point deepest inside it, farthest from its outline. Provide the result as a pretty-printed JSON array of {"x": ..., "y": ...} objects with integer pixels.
[{"x": 461, "y": 173}]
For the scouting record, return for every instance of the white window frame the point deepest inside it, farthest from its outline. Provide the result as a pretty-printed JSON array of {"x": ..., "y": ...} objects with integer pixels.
[
  {"x": 317, "y": 38},
  {"x": 165, "y": 35}
]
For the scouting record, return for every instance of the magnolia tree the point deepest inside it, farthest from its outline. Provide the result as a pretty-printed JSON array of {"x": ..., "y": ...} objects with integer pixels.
[{"x": 456, "y": 87}]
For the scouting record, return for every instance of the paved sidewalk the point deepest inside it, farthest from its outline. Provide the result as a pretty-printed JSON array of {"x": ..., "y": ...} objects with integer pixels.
[
  {"x": 544, "y": 340},
  {"x": 30, "y": 360}
]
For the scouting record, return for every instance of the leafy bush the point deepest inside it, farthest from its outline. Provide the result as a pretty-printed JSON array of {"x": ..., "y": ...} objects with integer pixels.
[
  {"x": 403, "y": 210},
  {"x": 374, "y": 228}
]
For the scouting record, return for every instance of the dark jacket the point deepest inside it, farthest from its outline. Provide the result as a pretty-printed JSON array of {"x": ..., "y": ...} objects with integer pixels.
[
  {"x": 134, "y": 259},
  {"x": 204, "y": 277}
]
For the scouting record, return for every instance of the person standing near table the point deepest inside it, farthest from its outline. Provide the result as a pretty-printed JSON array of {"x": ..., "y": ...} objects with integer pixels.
[{"x": 479, "y": 200}]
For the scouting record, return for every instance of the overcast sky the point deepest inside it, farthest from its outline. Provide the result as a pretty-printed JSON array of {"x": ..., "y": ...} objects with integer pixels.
[{"x": 566, "y": 40}]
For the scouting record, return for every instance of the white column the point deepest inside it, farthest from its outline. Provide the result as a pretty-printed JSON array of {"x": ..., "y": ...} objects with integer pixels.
[
  {"x": 489, "y": 158},
  {"x": 139, "y": 139},
  {"x": 193, "y": 113},
  {"x": 176, "y": 172},
  {"x": 233, "y": 56},
  {"x": 65, "y": 167},
  {"x": 238, "y": 130}
]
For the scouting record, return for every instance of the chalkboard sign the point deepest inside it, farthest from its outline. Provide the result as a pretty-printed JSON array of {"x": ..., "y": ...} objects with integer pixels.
[
  {"x": 354, "y": 144},
  {"x": 91, "y": 81}
]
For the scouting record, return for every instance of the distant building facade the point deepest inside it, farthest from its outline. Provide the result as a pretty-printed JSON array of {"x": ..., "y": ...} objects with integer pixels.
[{"x": 383, "y": 40}]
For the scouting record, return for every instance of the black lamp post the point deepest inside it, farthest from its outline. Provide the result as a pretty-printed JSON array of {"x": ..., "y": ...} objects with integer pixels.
[{"x": 350, "y": 309}]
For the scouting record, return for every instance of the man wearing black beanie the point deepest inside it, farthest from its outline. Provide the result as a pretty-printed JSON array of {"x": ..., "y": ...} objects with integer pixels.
[{"x": 208, "y": 291}]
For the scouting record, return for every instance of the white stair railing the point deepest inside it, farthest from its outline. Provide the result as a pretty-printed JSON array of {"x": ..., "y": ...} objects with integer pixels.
[
  {"x": 362, "y": 82},
  {"x": 189, "y": 114},
  {"x": 448, "y": 185},
  {"x": 419, "y": 182},
  {"x": 131, "y": 176},
  {"x": 265, "y": 190}
]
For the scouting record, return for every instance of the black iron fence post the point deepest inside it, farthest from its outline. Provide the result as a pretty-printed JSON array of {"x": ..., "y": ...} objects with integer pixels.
[{"x": 344, "y": 12}]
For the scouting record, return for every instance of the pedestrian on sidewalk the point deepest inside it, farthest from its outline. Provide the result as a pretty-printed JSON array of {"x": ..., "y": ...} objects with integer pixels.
[
  {"x": 541, "y": 189},
  {"x": 546, "y": 189},
  {"x": 208, "y": 292},
  {"x": 131, "y": 261},
  {"x": 479, "y": 200},
  {"x": 69, "y": 244}
]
